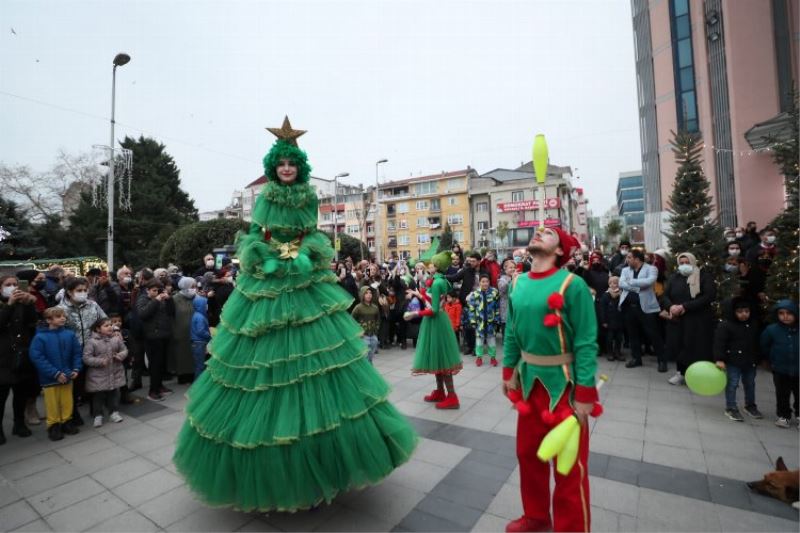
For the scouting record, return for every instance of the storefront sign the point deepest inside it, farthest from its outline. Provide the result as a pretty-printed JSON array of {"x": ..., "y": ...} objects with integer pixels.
[{"x": 528, "y": 205}]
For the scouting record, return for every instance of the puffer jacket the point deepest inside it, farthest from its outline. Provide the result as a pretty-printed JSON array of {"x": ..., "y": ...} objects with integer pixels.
[
  {"x": 779, "y": 342},
  {"x": 81, "y": 317},
  {"x": 199, "y": 331},
  {"x": 54, "y": 352},
  {"x": 483, "y": 308},
  {"x": 17, "y": 327},
  {"x": 735, "y": 342},
  {"x": 154, "y": 316},
  {"x": 99, "y": 375}
]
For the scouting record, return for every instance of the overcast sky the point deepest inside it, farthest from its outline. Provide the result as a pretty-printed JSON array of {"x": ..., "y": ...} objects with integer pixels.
[{"x": 431, "y": 86}]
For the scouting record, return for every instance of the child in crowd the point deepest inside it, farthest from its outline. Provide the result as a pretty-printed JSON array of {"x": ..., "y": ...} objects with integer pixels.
[
  {"x": 611, "y": 320},
  {"x": 483, "y": 305},
  {"x": 103, "y": 355},
  {"x": 779, "y": 343},
  {"x": 735, "y": 342},
  {"x": 413, "y": 306},
  {"x": 367, "y": 314},
  {"x": 119, "y": 329},
  {"x": 200, "y": 334},
  {"x": 452, "y": 306},
  {"x": 56, "y": 353}
]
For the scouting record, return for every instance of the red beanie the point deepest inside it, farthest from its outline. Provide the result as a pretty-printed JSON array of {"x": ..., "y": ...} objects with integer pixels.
[{"x": 568, "y": 244}]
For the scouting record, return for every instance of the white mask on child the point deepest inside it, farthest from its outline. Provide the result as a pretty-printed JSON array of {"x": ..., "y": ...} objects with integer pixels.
[{"x": 8, "y": 291}]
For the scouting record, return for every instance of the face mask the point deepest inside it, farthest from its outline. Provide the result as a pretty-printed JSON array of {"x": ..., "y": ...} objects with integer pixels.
[
  {"x": 39, "y": 285},
  {"x": 771, "y": 239},
  {"x": 8, "y": 291},
  {"x": 80, "y": 297},
  {"x": 734, "y": 252},
  {"x": 685, "y": 269},
  {"x": 623, "y": 253},
  {"x": 730, "y": 239},
  {"x": 731, "y": 268},
  {"x": 189, "y": 293},
  {"x": 210, "y": 264},
  {"x": 739, "y": 234},
  {"x": 517, "y": 259},
  {"x": 126, "y": 280}
]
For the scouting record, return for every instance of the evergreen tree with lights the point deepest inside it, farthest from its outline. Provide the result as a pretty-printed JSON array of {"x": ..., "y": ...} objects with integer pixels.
[
  {"x": 784, "y": 272},
  {"x": 691, "y": 227}
]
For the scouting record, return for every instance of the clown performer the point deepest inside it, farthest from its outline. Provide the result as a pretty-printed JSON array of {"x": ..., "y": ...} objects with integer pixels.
[
  {"x": 437, "y": 348},
  {"x": 483, "y": 305},
  {"x": 289, "y": 412},
  {"x": 550, "y": 353}
]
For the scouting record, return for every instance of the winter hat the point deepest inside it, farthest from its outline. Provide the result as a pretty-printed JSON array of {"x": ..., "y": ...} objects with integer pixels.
[
  {"x": 442, "y": 261},
  {"x": 186, "y": 283},
  {"x": 27, "y": 275},
  {"x": 568, "y": 245}
]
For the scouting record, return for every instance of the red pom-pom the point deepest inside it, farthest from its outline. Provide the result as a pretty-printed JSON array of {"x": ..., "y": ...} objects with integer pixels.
[
  {"x": 597, "y": 410},
  {"x": 552, "y": 320},
  {"x": 523, "y": 408},
  {"x": 429, "y": 282},
  {"x": 555, "y": 301},
  {"x": 514, "y": 395},
  {"x": 549, "y": 419}
]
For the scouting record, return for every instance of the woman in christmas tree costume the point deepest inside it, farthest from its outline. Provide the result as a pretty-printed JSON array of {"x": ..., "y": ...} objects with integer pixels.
[
  {"x": 289, "y": 411},
  {"x": 437, "y": 348}
]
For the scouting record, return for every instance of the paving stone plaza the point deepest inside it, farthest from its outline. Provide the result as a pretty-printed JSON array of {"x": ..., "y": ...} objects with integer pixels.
[{"x": 662, "y": 459}]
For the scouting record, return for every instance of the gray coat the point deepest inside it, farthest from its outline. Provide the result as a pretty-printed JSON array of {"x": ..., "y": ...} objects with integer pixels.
[
  {"x": 180, "y": 345},
  {"x": 80, "y": 317},
  {"x": 99, "y": 375}
]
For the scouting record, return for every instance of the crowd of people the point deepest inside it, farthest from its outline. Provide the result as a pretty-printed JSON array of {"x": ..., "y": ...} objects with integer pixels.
[{"x": 157, "y": 322}]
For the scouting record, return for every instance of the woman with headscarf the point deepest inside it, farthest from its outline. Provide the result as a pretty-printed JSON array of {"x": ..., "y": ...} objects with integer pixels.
[
  {"x": 180, "y": 345},
  {"x": 687, "y": 299}
]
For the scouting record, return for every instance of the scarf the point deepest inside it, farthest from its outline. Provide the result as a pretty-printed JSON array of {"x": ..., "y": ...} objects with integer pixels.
[{"x": 694, "y": 278}]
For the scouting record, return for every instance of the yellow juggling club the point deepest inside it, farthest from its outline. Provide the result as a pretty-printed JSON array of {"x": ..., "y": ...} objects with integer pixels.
[
  {"x": 540, "y": 158},
  {"x": 556, "y": 439},
  {"x": 566, "y": 459}
]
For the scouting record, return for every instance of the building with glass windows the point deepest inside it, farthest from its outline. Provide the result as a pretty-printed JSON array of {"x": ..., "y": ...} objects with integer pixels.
[
  {"x": 630, "y": 203},
  {"x": 722, "y": 69}
]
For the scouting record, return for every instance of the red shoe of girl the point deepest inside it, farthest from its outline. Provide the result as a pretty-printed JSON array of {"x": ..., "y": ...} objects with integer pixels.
[
  {"x": 435, "y": 396},
  {"x": 525, "y": 524},
  {"x": 451, "y": 402}
]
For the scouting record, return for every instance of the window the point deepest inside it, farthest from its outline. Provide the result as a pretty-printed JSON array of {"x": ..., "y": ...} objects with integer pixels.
[
  {"x": 518, "y": 196},
  {"x": 482, "y": 207},
  {"x": 436, "y": 205},
  {"x": 631, "y": 194},
  {"x": 455, "y": 184},
  {"x": 353, "y": 229},
  {"x": 422, "y": 205},
  {"x": 404, "y": 224},
  {"x": 391, "y": 226},
  {"x": 455, "y": 219},
  {"x": 402, "y": 240},
  {"x": 483, "y": 226},
  {"x": 683, "y": 66},
  {"x": 370, "y": 228},
  {"x": 327, "y": 217},
  {"x": 428, "y": 187},
  {"x": 422, "y": 222},
  {"x": 402, "y": 207},
  {"x": 458, "y": 236},
  {"x": 434, "y": 222},
  {"x": 423, "y": 238},
  {"x": 452, "y": 200}
]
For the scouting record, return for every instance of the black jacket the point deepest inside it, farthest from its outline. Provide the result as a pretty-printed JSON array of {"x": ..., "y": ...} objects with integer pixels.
[
  {"x": 154, "y": 317},
  {"x": 736, "y": 342},
  {"x": 467, "y": 278},
  {"x": 17, "y": 328},
  {"x": 609, "y": 312}
]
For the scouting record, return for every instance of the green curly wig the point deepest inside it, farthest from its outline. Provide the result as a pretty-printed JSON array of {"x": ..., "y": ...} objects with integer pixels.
[
  {"x": 285, "y": 150},
  {"x": 442, "y": 261}
]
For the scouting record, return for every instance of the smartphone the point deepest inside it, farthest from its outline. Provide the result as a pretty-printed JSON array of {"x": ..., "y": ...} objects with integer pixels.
[{"x": 23, "y": 285}]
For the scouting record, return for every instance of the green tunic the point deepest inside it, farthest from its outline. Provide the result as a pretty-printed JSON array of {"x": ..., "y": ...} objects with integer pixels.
[
  {"x": 289, "y": 412},
  {"x": 437, "y": 347},
  {"x": 525, "y": 331}
]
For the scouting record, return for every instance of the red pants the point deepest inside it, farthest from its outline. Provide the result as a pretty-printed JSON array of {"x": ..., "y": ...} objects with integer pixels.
[{"x": 571, "y": 495}]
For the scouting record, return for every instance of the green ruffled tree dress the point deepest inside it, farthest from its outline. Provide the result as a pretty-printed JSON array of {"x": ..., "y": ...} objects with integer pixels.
[{"x": 289, "y": 411}]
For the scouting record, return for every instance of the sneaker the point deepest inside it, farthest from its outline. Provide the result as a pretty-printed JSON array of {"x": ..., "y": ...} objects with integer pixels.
[
  {"x": 115, "y": 417},
  {"x": 54, "y": 432},
  {"x": 98, "y": 421},
  {"x": 479, "y": 361},
  {"x": 69, "y": 428},
  {"x": 677, "y": 379},
  {"x": 782, "y": 422},
  {"x": 734, "y": 415},
  {"x": 493, "y": 361},
  {"x": 155, "y": 396},
  {"x": 164, "y": 390},
  {"x": 753, "y": 411}
]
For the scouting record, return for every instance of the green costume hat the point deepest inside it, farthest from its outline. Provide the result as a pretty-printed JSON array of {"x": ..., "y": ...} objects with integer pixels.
[{"x": 442, "y": 261}]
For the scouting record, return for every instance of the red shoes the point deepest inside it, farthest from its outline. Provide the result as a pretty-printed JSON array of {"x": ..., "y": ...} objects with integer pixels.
[
  {"x": 450, "y": 402},
  {"x": 525, "y": 524},
  {"x": 493, "y": 361},
  {"x": 479, "y": 361},
  {"x": 435, "y": 396}
]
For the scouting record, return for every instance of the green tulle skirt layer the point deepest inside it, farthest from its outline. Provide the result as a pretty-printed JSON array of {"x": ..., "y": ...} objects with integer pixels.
[
  {"x": 437, "y": 347},
  {"x": 288, "y": 412}
]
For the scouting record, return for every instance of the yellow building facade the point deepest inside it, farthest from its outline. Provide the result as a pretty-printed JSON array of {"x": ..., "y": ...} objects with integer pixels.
[{"x": 414, "y": 212}]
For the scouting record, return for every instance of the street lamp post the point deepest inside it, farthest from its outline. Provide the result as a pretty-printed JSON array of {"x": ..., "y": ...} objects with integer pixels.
[
  {"x": 119, "y": 60},
  {"x": 336, "y": 210},
  {"x": 378, "y": 240}
]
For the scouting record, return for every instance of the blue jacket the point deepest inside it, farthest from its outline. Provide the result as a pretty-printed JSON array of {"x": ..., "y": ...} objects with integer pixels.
[
  {"x": 643, "y": 285},
  {"x": 779, "y": 342},
  {"x": 199, "y": 328},
  {"x": 53, "y": 352}
]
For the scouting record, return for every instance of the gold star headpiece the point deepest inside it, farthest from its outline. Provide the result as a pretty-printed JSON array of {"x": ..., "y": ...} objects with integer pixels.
[{"x": 286, "y": 133}]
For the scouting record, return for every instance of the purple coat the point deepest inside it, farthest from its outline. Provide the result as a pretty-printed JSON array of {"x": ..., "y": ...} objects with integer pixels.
[{"x": 98, "y": 350}]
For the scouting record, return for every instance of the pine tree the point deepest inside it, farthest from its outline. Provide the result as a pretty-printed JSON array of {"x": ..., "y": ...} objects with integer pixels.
[
  {"x": 446, "y": 239},
  {"x": 784, "y": 272},
  {"x": 691, "y": 226},
  {"x": 17, "y": 240}
]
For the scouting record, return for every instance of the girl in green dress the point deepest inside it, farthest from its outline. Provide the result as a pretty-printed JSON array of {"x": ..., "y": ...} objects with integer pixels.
[
  {"x": 289, "y": 411},
  {"x": 437, "y": 347}
]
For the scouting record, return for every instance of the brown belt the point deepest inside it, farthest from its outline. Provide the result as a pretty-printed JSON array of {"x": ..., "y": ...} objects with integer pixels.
[{"x": 547, "y": 360}]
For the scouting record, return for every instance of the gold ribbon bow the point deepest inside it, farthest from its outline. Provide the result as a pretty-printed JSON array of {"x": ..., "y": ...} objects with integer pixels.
[{"x": 289, "y": 250}]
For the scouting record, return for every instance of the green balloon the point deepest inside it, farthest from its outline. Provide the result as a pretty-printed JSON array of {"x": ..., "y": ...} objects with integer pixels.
[{"x": 705, "y": 378}]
